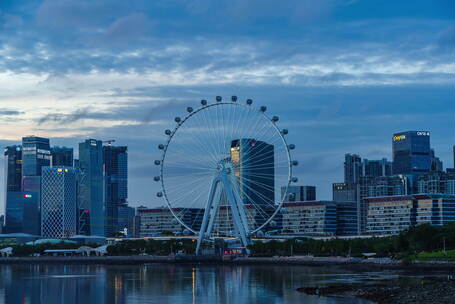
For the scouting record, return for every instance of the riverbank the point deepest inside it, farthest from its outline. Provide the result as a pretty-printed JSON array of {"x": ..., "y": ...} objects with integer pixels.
[
  {"x": 426, "y": 290},
  {"x": 358, "y": 263}
]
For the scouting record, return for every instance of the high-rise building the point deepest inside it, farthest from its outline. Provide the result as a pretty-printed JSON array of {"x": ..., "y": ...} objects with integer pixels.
[
  {"x": 344, "y": 192},
  {"x": 411, "y": 152},
  {"x": 22, "y": 213},
  {"x": 254, "y": 166},
  {"x": 299, "y": 193},
  {"x": 91, "y": 204},
  {"x": 13, "y": 167},
  {"x": 352, "y": 168},
  {"x": 376, "y": 168},
  {"x": 115, "y": 185},
  {"x": 58, "y": 202},
  {"x": 62, "y": 156},
  {"x": 436, "y": 164},
  {"x": 36, "y": 153}
]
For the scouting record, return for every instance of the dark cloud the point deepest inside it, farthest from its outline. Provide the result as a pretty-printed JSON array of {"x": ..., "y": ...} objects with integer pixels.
[
  {"x": 8, "y": 112},
  {"x": 71, "y": 117}
]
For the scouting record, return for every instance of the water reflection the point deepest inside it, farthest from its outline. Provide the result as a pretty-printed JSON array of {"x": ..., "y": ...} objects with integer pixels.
[{"x": 165, "y": 284}]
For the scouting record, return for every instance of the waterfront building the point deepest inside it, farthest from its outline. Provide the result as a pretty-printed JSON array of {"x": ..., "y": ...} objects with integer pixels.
[
  {"x": 115, "y": 160},
  {"x": 310, "y": 218},
  {"x": 125, "y": 220},
  {"x": 411, "y": 152},
  {"x": 62, "y": 156},
  {"x": 91, "y": 203},
  {"x": 58, "y": 202},
  {"x": 347, "y": 218},
  {"x": 22, "y": 213},
  {"x": 393, "y": 214},
  {"x": 299, "y": 193},
  {"x": 156, "y": 221},
  {"x": 389, "y": 215},
  {"x": 253, "y": 163}
]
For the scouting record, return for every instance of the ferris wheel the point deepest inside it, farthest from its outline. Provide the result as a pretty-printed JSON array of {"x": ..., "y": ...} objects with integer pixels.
[{"x": 225, "y": 169}]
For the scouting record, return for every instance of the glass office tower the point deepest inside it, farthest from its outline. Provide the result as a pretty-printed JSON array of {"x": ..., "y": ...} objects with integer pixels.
[
  {"x": 115, "y": 185},
  {"x": 62, "y": 156},
  {"x": 58, "y": 210},
  {"x": 22, "y": 213},
  {"x": 13, "y": 167},
  {"x": 254, "y": 166},
  {"x": 36, "y": 153},
  {"x": 91, "y": 209},
  {"x": 411, "y": 152}
]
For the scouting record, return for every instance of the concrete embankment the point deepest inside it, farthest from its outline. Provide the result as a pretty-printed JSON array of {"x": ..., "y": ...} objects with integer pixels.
[{"x": 358, "y": 263}]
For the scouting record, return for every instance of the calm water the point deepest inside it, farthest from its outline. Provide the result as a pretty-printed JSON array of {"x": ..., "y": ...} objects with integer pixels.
[{"x": 171, "y": 284}]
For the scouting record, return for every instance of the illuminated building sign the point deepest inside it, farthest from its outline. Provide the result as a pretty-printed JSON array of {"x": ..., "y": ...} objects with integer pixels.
[
  {"x": 27, "y": 195},
  {"x": 399, "y": 137},
  {"x": 423, "y": 133}
]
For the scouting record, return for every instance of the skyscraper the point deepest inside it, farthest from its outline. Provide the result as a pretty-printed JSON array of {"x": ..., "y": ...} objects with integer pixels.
[
  {"x": 36, "y": 153},
  {"x": 115, "y": 185},
  {"x": 62, "y": 156},
  {"x": 22, "y": 213},
  {"x": 352, "y": 168},
  {"x": 59, "y": 204},
  {"x": 254, "y": 166},
  {"x": 411, "y": 152},
  {"x": 376, "y": 168},
  {"x": 13, "y": 167},
  {"x": 91, "y": 209},
  {"x": 299, "y": 193}
]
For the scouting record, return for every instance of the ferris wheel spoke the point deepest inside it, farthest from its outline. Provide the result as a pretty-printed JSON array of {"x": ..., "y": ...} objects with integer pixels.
[
  {"x": 206, "y": 144},
  {"x": 200, "y": 146},
  {"x": 260, "y": 195}
]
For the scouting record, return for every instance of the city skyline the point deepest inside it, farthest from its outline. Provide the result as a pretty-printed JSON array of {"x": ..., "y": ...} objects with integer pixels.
[{"x": 341, "y": 83}]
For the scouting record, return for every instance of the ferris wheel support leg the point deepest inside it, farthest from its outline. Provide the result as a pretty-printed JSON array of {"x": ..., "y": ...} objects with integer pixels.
[
  {"x": 209, "y": 214},
  {"x": 238, "y": 213}
]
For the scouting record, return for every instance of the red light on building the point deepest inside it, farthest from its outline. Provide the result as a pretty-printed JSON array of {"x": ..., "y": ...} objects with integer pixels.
[
  {"x": 86, "y": 211},
  {"x": 253, "y": 143}
]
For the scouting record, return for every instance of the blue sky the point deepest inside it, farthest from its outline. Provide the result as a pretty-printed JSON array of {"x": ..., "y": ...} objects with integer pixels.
[{"x": 343, "y": 75}]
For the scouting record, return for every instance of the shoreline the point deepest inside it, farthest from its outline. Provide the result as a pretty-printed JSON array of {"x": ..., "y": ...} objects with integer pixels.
[{"x": 357, "y": 263}]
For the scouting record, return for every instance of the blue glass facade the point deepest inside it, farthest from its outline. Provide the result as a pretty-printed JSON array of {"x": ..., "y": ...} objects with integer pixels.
[
  {"x": 62, "y": 156},
  {"x": 13, "y": 165},
  {"x": 58, "y": 202},
  {"x": 91, "y": 202},
  {"x": 22, "y": 213},
  {"x": 254, "y": 165},
  {"x": 115, "y": 186},
  {"x": 347, "y": 218},
  {"x": 411, "y": 152},
  {"x": 36, "y": 153}
]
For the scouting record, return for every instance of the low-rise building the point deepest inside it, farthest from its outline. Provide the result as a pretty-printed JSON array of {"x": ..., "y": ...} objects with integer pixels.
[
  {"x": 160, "y": 220},
  {"x": 310, "y": 218},
  {"x": 393, "y": 214}
]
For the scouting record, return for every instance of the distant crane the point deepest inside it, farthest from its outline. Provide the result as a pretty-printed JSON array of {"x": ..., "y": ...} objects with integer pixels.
[{"x": 109, "y": 142}]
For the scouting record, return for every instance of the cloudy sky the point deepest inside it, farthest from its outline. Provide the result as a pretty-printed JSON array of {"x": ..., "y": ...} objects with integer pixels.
[{"x": 343, "y": 75}]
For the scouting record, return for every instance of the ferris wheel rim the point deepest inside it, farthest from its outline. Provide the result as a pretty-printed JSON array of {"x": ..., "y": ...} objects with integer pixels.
[{"x": 192, "y": 113}]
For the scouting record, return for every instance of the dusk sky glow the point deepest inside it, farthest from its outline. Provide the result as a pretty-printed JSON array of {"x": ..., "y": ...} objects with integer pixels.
[{"x": 342, "y": 75}]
